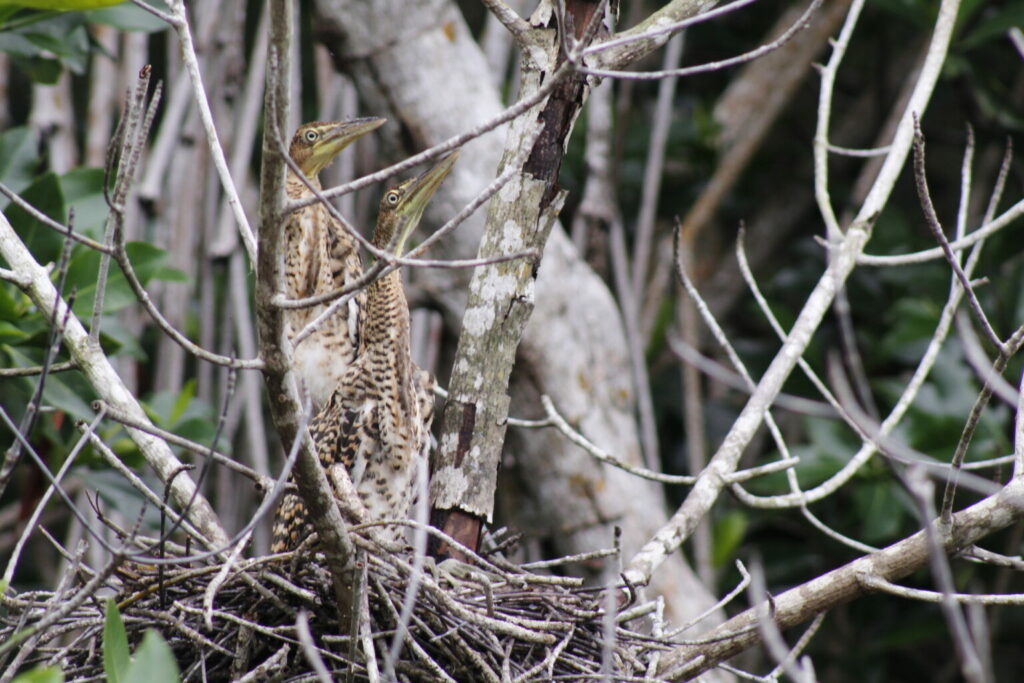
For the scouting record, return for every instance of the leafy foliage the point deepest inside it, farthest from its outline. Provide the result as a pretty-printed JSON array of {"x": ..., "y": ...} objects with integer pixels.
[{"x": 152, "y": 662}]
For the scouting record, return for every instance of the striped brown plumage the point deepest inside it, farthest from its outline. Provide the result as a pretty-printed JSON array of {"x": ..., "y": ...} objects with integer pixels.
[
  {"x": 319, "y": 256},
  {"x": 377, "y": 421}
]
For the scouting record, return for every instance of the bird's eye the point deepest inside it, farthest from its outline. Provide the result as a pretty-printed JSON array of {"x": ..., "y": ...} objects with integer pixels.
[
  {"x": 392, "y": 198},
  {"x": 311, "y": 135}
]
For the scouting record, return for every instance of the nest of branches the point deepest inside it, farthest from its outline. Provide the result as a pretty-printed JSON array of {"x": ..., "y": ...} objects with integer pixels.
[{"x": 276, "y": 616}]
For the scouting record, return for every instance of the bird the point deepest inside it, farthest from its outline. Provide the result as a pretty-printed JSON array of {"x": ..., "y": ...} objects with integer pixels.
[
  {"x": 319, "y": 256},
  {"x": 377, "y": 422}
]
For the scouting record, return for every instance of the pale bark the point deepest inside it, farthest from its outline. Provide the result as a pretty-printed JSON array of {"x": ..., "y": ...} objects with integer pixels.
[
  {"x": 433, "y": 83},
  {"x": 103, "y": 96},
  {"x": 53, "y": 118}
]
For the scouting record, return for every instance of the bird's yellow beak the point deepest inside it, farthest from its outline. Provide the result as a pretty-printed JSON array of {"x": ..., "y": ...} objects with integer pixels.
[
  {"x": 418, "y": 195},
  {"x": 336, "y": 137}
]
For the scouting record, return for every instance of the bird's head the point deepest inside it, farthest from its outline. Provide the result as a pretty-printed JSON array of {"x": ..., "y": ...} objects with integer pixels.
[
  {"x": 402, "y": 206},
  {"x": 315, "y": 144}
]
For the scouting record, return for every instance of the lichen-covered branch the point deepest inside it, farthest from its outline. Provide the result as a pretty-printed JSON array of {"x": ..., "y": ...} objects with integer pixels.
[{"x": 501, "y": 295}]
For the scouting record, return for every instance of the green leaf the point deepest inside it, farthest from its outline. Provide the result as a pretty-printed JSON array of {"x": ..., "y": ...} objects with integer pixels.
[
  {"x": 115, "y": 644},
  {"x": 11, "y": 334},
  {"x": 65, "y": 37},
  {"x": 41, "y": 674},
  {"x": 153, "y": 662},
  {"x": 83, "y": 194},
  {"x": 994, "y": 26},
  {"x": 56, "y": 392},
  {"x": 46, "y": 195},
  {"x": 181, "y": 403},
  {"x": 728, "y": 534},
  {"x": 18, "y": 159},
  {"x": 119, "y": 340},
  {"x": 61, "y": 5},
  {"x": 10, "y": 308},
  {"x": 880, "y": 511},
  {"x": 146, "y": 260},
  {"x": 43, "y": 70},
  {"x": 129, "y": 17}
]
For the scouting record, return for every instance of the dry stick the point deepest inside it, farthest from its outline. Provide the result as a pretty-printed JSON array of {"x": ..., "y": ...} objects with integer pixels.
[
  {"x": 821, "y": 134},
  {"x": 222, "y": 576},
  {"x": 850, "y": 581},
  {"x": 798, "y": 647},
  {"x": 136, "y": 482},
  {"x": 84, "y": 593},
  {"x": 1008, "y": 350},
  {"x": 709, "y": 484},
  {"x": 904, "y": 402},
  {"x": 661, "y": 121},
  {"x": 42, "y": 218},
  {"x": 967, "y": 653},
  {"x": 770, "y": 634},
  {"x": 1014, "y": 599},
  {"x": 600, "y": 204},
  {"x": 179, "y": 21},
  {"x": 366, "y": 628},
  {"x": 309, "y": 648},
  {"x": 932, "y": 220},
  {"x": 13, "y": 278},
  {"x": 798, "y": 26},
  {"x": 416, "y": 648},
  {"x": 270, "y": 499},
  {"x": 983, "y": 232},
  {"x": 30, "y": 643},
  {"x": 627, "y": 47},
  {"x": 786, "y": 462},
  {"x": 693, "y": 409},
  {"x": 63, "y": 366},
  {"x": 263, "y": 481},
  {"x": 121, "y": 256},
  {"x": 246, "y": 121},
  {"x": 555, "y": 419},
  {"x": 12, "y": 562},
  {"x": 132, "y": 133},
  {"x": 731, "y": 379},
  {"x": 841, "y": 306}
]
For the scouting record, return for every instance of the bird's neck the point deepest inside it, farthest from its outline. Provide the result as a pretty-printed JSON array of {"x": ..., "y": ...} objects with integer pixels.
[
  {"x": 297, "y": 188},
  {"x": 387, "y": 314}
]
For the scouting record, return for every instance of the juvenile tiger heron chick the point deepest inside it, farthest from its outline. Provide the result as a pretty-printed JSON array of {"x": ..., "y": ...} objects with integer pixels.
[
  {"x": 377, "y": 423},
  {"x": 320, "y": 257}
]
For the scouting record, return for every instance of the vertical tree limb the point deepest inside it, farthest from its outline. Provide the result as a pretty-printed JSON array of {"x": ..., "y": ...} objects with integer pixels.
[
  {"x": 501, "y": 295},
  {"x": 274, "y": 348}
]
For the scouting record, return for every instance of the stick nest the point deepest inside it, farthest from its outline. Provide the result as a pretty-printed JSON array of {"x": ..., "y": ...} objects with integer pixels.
[{"x": 489, "y": 622}]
